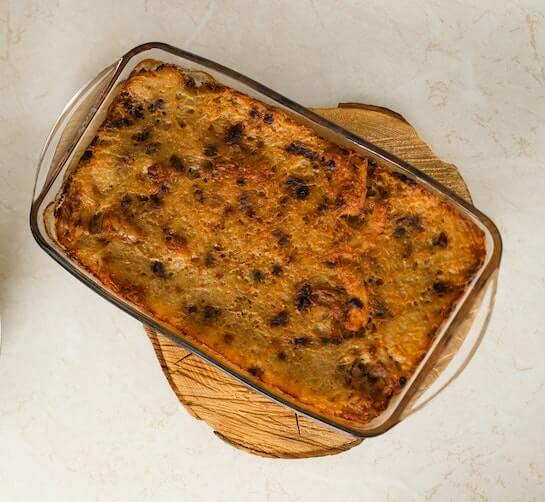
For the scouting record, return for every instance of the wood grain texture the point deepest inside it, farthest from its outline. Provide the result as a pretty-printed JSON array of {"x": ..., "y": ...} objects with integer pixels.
[{"x": 241, "y": 416}]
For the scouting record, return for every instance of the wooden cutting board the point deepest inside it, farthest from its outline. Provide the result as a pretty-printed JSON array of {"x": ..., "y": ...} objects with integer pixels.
[{"x": 241, "y": 416}]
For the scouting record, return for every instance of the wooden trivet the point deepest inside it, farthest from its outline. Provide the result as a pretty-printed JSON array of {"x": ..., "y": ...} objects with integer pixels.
[{"x": 241, "y": 416}]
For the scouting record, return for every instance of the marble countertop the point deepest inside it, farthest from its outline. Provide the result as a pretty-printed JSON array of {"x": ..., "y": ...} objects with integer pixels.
[{"x": 85, "y": 412}]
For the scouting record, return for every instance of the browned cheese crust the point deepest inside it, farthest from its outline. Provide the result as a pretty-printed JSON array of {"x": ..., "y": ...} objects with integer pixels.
[{"x": 303, "y": 264}]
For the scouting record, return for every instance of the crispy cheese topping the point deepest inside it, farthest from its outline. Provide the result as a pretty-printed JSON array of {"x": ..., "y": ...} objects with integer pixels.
[{"x": 306, "y": 266}]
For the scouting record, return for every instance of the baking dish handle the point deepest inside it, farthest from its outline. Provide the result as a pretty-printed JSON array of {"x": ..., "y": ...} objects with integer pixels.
[
  {"x": 458, "y": 352},
  {"x": 75, "y": 115}
]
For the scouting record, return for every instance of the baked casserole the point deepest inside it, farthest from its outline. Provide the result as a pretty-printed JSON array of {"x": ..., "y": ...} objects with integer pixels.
[{"x": 318, "y": 273}]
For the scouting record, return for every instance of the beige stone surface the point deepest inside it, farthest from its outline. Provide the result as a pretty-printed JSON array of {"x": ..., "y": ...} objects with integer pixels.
[{"x": 85, "y": 412}]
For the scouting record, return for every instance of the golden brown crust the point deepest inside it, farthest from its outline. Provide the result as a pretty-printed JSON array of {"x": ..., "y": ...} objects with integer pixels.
[{"x": 254, "y": 237}]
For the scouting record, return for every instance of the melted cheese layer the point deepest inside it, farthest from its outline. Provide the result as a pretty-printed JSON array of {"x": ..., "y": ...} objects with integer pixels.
[{"x": 315, "y": 273}]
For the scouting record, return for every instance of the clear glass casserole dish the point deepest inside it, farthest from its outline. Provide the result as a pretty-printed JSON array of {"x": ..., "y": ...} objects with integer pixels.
[{"x": 456, "y": 340}]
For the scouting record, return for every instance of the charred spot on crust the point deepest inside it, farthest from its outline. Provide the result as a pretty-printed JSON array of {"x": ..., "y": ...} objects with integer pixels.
[
  {"x": 156, "y": 105},
  {"x": 193, "y": 172},
  {"x": 255, "y": 371},
  {"x": 329, "y": 163},
  {"x": 156, "y": 198},
  {"x": 189, "y": 81},
  {"x": 302, "y": 192},
  {"x": 400, "y": 231},
  {"x": 403, "y": 178},
  {"x": 241, "y": 181},
  {"x": 133, "y": 108},
  {"x": 442, "y": 287},
  {"x": 303, "y": 300},
  {"x": 366, "y": 376},
  {"x": 118, "y": 122},
  {"x": 302, "y": 341},
  {"x": 209, "y": 260},
  {"x": 402, "y": 381},
  {"x": 95, "y": 223},
  {"x": 210, "y": 151},
  {"x": 281, "y": 237},
  {"x": 158, "y": 269},
  {"x": 282, "y": 356},
  {"x": 277, "y": 270},
  {"x": 283, "y": 200},
  {"x": 141, "y": 136},
  {"x": 176, "y": 163},
  {"x": 280, "y": 319},
  {"x": 441, "y": 240},
  {"x": 383, "y": 193},
  {"x": 126, "y": 201},
  {"x": 257, "y": 275},
  {"x": 199, "y": 195},
  {"x": 405, "y": 223},
  {"x": 138, "y": 111},
  {"x": 254, "y": 113},
  {"x": 268, "y": 118},
  {"x": 371, "y": 326},
  {"x": 379, "y": 309},
  {"x": 175, "y": 241},
  {"x": 234, "y": 134},
  {"x": 432, "y": 332},
  {"x": 297, "y": 187},
  {"x": 158, "y": 174},
  {"x": 152, "y": 148},
  {"x": 298, "y": 149},
  {"x": 87, "y": 154},
  {"x": 181, "y": 122},
  {"x": 213, "y": 86},
  {"x": 355, "y": 303},
  {"x": 246, "y": 205},
  {"x": 228, "y": 338},
  {"x": 210, "y": 313},
  {"x": 322, "y": 207},
  {"x": 411, "y": 221},
  {"x": 355, "y": 221},
  {"x": 192, "y": 309}
]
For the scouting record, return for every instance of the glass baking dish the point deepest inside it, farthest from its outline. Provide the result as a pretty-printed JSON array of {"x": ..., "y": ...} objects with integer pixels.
[{"x": 460, "y": 334}]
